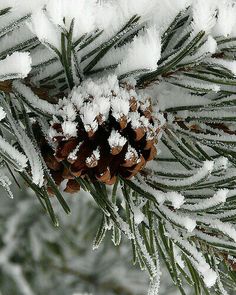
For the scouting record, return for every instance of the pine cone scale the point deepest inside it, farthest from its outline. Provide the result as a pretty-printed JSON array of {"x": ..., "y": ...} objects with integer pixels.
[{"x": 112, "y": 134}]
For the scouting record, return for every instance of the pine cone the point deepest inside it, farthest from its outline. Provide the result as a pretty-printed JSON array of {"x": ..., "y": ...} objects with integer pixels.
[{"x": 103, "y": 130}]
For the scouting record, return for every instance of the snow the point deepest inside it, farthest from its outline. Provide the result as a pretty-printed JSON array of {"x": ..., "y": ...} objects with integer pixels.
[
  {"x": 154, "y": 285},
  {"x": 211, "y": 239},
  {"x": 116, "y": 139},
  {"x": 213, "y": 114},
  {"x": 226, "y": 214},
  {"x": 222, "y": 138},
  {"x": 175, "y": 198},
  {"x": 52, "y": 133},
  {"x": 218, "y": 198},
  {"x": 44, "y": 29},
  {"x": 210, "y": 45},
  {"x": 135, "y": 120},
  {"x": 131, "y": 153},
  {"x": 143, "y": 53},
  {"x": 41, "y": 55},
  {"x": 77, "y": 98},
  {"x": 96, "y": 154},
  {"x": 29, "y": 148},
  {"x": 176, "y": 97},
  {"x": 221, "y": 163},
  {"x": 11, "y": 152},
  {"x": 138, "y": 215},
  {"x": 62, "y": 12},
  {"x": 225, "y": 227},
  {"x": 94, "y": 100},
  {"x": 228, "y": 64},
  {"x": 164, "y": 12},
  {"x": 46, "y": 72},
  {"x": 178, "y": 258},
  {"x": 132, "y": 7},
  {"x": 220, "y": 286},
  {"x": 6, "y": 183},
  {"x": 16, "y": 65},
  {"x": 2, "y": 114},
  {"x": 68, "y": 111},
  {"x": 200, "y": 175},
  {"x": 209, "y": 276},
  {"x": 73, "y": 154},
  {"x": 69, "y": 129},
  {"x": 33, "y": 100},
  {"x": 120, "y": 107},
  {"x": 6, "y": 4},
  {"x": 18, "y": 36},
  {"x": 149, "y": 261},
  {"x": 180, "y": 202},
  {"x": 183, "y": 221},
  {"x": 103, "y": 106},
  {"x": 204, "y": 15},
  {"x": 26, "y": 6},
  {"x": 119, "y": 12},
  {"x": 225, "y": 18},
  {"x": 89, "y": 114},
  {"x": 204, "y": 86},
  {"x": 93, "y": 158}
]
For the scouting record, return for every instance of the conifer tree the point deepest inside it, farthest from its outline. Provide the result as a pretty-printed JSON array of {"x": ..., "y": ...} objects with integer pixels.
[{"x": 134, "y": 103}]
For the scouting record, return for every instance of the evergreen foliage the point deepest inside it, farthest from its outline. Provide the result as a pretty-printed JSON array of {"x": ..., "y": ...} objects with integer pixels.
[{"x": 181, "y": 207}]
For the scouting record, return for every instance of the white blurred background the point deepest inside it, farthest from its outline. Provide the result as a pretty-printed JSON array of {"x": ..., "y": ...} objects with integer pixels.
[{"x": 37, "y": 258}]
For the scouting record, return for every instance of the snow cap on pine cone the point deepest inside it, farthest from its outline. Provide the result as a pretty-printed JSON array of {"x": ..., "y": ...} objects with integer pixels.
[{"x": 102, "y": 130}]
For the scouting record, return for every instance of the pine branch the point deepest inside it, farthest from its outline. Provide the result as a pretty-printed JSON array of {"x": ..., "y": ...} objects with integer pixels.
[
  {"x": 99, "y": 131},
  {"x": 6, "y": 87}
]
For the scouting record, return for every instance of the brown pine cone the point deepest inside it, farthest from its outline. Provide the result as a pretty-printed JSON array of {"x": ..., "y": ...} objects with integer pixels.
[{"x": 102, "y": 131}]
